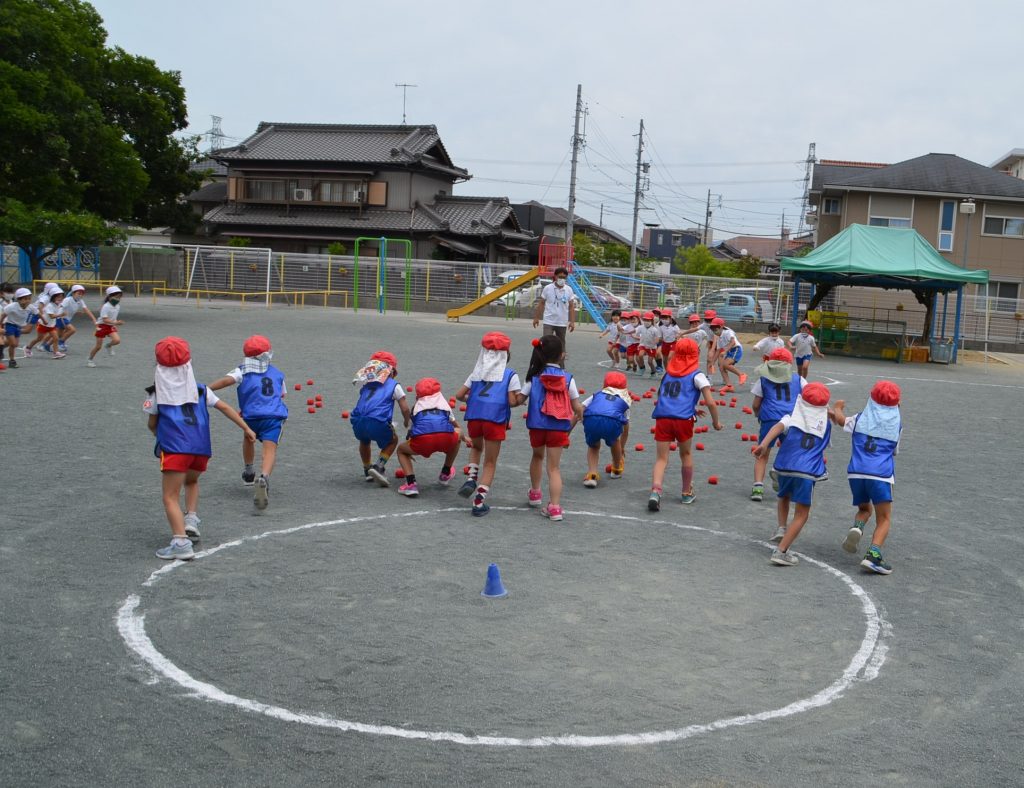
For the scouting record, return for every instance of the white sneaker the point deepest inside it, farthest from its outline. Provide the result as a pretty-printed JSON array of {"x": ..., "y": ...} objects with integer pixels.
[
  {"x": 779, "y": 533},
  {"x": 58, "y": 354},
  {"x": 90, "y": 363},
  {"x": 192, "y": 526},
  {"x": 110, "y": 350},
  {"x": 780, "y": 558}
]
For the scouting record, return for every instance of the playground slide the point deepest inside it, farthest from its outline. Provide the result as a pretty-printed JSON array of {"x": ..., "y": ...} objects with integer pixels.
[{"x": 487, "y": 298}]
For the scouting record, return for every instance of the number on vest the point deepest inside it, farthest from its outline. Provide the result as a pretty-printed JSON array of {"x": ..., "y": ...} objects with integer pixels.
[
  {"x": 189, "y": 412},
  {"x": 672, "y": 388},
  {"x": 870, "y": 445},
  {"x": 486, "y": 388},
  {"x": 807, "y": 441},
  {"x": 782, "y": 391},
  {"x": 267, "y": 387}
]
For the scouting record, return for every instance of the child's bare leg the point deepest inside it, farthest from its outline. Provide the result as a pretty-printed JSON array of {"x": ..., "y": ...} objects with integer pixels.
[
  {"x": 883, "y": 518},
  {"x": 491, "y": 451},
  {"x": 68, "y": 332},
  {"x": 96, "y": 348},
  {"x": 192, "y": 491},
  {"x": 453, "y": 453},
  {"x": 554, "y": 457},
  {"x": 115, "y": 339},
  {"x": 687, "y": 457},
  {"x": 249, "y": 452},
  {"x": 269, "y": 458},
  {"x": 364, "y": 454},
  {"x": 617, "y": 458},
  {"x": 404, "y": 454},
  {"x": 171, "y": 482},
  {"x": 387, "y": 451},
  {"x": 660, "y": 463},
  {"x": 593, "y": 457},
  {"x": 864, "y": 514},
  {"x": 783, "y": 512},
  {"x": 760, "y": 466},
  {"x": 536, "y": 467},
  {"x": 801, "y": 512}
]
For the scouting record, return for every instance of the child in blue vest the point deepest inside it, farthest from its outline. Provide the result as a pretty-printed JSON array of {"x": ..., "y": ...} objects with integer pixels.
[
  {"x": 800, "y": 463},
  {"x": 489, "y": 392},
  {"x": 872, "y": 470},
  {"x": 679, "y": 396},
  {"x": 553, "y": 401},
  {"x": 606, "y": 418},
  {"x": 775, "y": 393},
  {"x": 261, "y": 392},
  {"x": 179, "y": 418},
  {"x": 433, "y": 430},
  {"x": 371, "y": 417}
]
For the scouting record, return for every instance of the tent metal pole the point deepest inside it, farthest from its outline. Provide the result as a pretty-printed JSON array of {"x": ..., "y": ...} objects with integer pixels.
[
  {"x": 945, "y": 311},
  {"x": 935, "y": 317},
  {"x": 956, "y": 325},
  {"x": 796, "y": 304}
]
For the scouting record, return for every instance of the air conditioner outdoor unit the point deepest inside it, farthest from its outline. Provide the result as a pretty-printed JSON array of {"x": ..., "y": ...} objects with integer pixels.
[{"x": 302, "y": 195}]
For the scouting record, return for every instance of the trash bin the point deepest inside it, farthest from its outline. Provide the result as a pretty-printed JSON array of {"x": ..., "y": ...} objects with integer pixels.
[{"x": 941, "y": 352}]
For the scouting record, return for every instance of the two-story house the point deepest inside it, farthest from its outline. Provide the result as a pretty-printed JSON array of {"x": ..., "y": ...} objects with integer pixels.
[
  {"x": 298, "y": 187},
  {"x": 972, "y": 214}
]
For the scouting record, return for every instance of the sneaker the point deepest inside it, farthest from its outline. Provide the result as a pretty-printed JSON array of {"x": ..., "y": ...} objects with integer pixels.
[
  {"x": 175, "y": 552},
  {"x": 617, "y": 473},
  {"x": 47, "y": 347},
  {"x": 248, "y": 477},
  {"x": 535, "y": 498},
  {"x": 757, "y": 492},
  {"x": 58, "y": 354},
  {"x": 366, "y": 476},
  {"x": 852, "y": 538},
  {"x": 409, "y": 490},
  {"x": 376, "y": 471},
  {"x": 443, "y": 480},
  {"x": 688, "y": 497},
  {"x": 192, "y": 526},
  {"x": 14, "y": 364},
  {"x": 28, "y": 352},
  {"x": 654, "y": 501},
  {"x": 774, "y": 476},
  {"x": 590, "y": 480},
  {"x": 780, "y": 558},
  {"x": 261, "y": 497},
  {"x": 552, "y": 512},
  {"x": 62, "y": 346},
  {"x": 110, "y": 350},
  {"x": 743, "y": 378},
  {"x": 90, "y": 363},
  {"x": 468, "y": 488},
  {"x": 873, "y": 560},
  {"x": 481, "y": 510},
  {"x": 779, "y": 533}
]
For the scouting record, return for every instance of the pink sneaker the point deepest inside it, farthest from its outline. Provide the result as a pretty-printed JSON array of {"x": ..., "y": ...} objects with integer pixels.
[
  {"x": 535, "y": 498},
  {"x": 552, "y": 512},
  {"x": 409, "y": 490}
]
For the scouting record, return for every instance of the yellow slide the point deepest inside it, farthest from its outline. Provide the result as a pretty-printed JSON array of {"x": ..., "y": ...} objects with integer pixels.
[{"x": 484, "y": 300}]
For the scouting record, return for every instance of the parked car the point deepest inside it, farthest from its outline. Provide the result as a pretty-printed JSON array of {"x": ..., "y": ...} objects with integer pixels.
[
  {"x": 736, "y": 304},
  {"x": 523, "y": 296},
  {"x": 606, "y": 300}
]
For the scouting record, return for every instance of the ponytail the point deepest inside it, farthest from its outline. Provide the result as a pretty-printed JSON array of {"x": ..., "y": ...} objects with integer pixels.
[{"x": 546, "y": 350}]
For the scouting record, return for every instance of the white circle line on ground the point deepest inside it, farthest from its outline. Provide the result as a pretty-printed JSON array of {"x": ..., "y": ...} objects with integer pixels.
[{"x": 864, "y": 666}]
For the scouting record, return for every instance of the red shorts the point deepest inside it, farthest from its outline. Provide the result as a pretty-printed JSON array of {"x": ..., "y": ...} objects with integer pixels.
[
  {"x": 488, "y": 430},
  {"x": 44, "y": 330},
  {"x": 551, "y": 438},
  {"x": 673, "y": 430},
  {"x": 183, "y": 462},
  {"x": 632, "y": 350},
  {"x": 425, "y": 445},
  {"x": 104, "y": 330},
  {"x": 649, "y": 351},
  {"x": 667, "y": 347}
]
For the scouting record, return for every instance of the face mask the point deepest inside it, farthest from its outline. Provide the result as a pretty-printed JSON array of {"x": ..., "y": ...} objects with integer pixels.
[
  {"x": 114, "y": 301},
  {"x": 560, "y": 282}
]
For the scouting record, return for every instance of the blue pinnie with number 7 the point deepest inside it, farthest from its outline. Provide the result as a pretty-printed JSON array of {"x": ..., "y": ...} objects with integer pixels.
[
  {"x": 261, "y": 391},
  {"x": 775, "y": 392}
]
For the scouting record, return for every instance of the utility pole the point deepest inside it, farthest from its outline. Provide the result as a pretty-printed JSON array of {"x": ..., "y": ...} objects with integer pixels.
[
  {"x": 404, "y": 86},
  {"x": 811, "y": 160},
  {"x": 636, "y": 198},
  {"x": 707, "y": 219},
  {"x": 577, "y": 140},
  {"x": 600, "y": 222}
]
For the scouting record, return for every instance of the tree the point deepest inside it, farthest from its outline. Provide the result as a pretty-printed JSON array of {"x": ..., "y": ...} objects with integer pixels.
[
  {"x": 87, "y": 132},
  {"x": 698, "y": 261}
]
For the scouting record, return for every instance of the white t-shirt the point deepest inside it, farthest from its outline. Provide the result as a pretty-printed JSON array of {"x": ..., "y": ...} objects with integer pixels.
[
  {"x": 514, "y": 384},
  {"x": 109, "y": 312},
  {"x": 574, "y": 393},
  {"x": 48, "y": 317},
  {"x": 556, "y": 304},
  {"x": 758, "y": 391},
  {"x": 72, "y": 305},
  {"x": 725, "y": 339},
  {"x": 803, "y": 344},
  {"x": 669, "y": 332},
  {"x": 150, "y": 406},
  {"x": 15, "y": 315},
  {"x": 613, "y": 331},
  {"x": 649, "y": 336},
  {"x": 768, "y": 344},
  {"x": 586, "y": 404},
  {"x": 36, "y": 307}
]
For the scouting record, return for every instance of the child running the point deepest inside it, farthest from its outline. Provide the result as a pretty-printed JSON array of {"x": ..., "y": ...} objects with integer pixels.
[
  {"x": 669, "y": 334},
  {"x": 553, "y": 400},
  {"x": 727, "y": 352},
  {"x": 606, "y": 418},
  {"x": 679, "y": 396},
  {"x": 799, "y": 463},
  {"x": 631, "y": 340},
  {"x": 73, "y": 304},
  {"x": 372, "y": 415},
  {"x": 803, "y": 345},
  {"x": 769, "y": 343},
  {"x": 650, "y": 336},
  {"x": 612, "y": 332},
  {"x": 775, "y": 393},
  {"x": 261, "y": 392},
  {"x": 179, "y": 419},
  {"x": 107, "y": 325},
  {"x": 433, "y": 430},
  {"x": 46, "y": 328},
  {"x": 876, "y": 435},
  {"x": 489, "y": 392},
  {"x": 15, "y": 320}
]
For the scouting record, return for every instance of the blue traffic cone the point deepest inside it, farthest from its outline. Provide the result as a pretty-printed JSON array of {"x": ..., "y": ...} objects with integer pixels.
[{"x": 493, "y": 588}]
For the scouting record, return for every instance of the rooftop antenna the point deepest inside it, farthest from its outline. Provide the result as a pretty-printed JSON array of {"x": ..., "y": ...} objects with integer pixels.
[{"x": 404, "y": 86}]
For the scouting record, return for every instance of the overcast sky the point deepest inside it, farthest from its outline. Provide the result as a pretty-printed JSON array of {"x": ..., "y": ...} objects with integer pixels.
[{"x": 731, "y": 92}]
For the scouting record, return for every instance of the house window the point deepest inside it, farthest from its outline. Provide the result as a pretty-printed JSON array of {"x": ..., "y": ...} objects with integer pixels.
[
  {"x": 947, "y": 216},
  {"x": 1000, "y": 225},
  {"x": 264, "y": 190},
  {"x": 1002, "y": 297},
  {"x": 889, "y": 221},
  {"x": 677, "y": 239},
  {"x": 830, "y": 206}
]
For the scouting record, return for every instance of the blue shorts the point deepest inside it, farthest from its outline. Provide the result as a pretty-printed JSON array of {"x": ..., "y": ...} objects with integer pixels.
[
  {"x": 12, "y": 330},
  {"x": 33, "y": 319},
  {"x": 63, "y": 322},
  {"x": 873, "y": 490},
  {"x": 373, "y": 431},
  {"x": 601, "y": 428},
  {"x": 801, "y": 360},
  {"x": 735, "y": 353},
  {"x": 797, "y": 489},
  {"x": 268, "y": 428},
  {"x": 622, "y": 348},
  {"x": 764, "y": 429}
]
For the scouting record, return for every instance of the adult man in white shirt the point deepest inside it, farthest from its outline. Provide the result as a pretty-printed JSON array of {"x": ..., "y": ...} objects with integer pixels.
[{"x": 556, "y": 306}]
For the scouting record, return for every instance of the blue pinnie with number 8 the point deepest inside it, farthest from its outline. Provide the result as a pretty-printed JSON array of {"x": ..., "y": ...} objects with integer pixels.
[{"x": 261, "y": 390}]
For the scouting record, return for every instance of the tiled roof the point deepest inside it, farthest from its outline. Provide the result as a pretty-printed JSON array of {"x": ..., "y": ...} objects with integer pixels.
[
  {"x": 211, "y": 192},
  {"x": 353, "y": 144},
  {"x": 934, "y": 173},
  {"x": 555, "y": 215},
  {"x": 475, "y": 215},
  {"x": 210, "y": 167}
]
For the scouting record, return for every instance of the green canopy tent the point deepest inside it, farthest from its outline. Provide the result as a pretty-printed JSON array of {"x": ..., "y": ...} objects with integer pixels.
[{"x": 886, "y": 257}]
